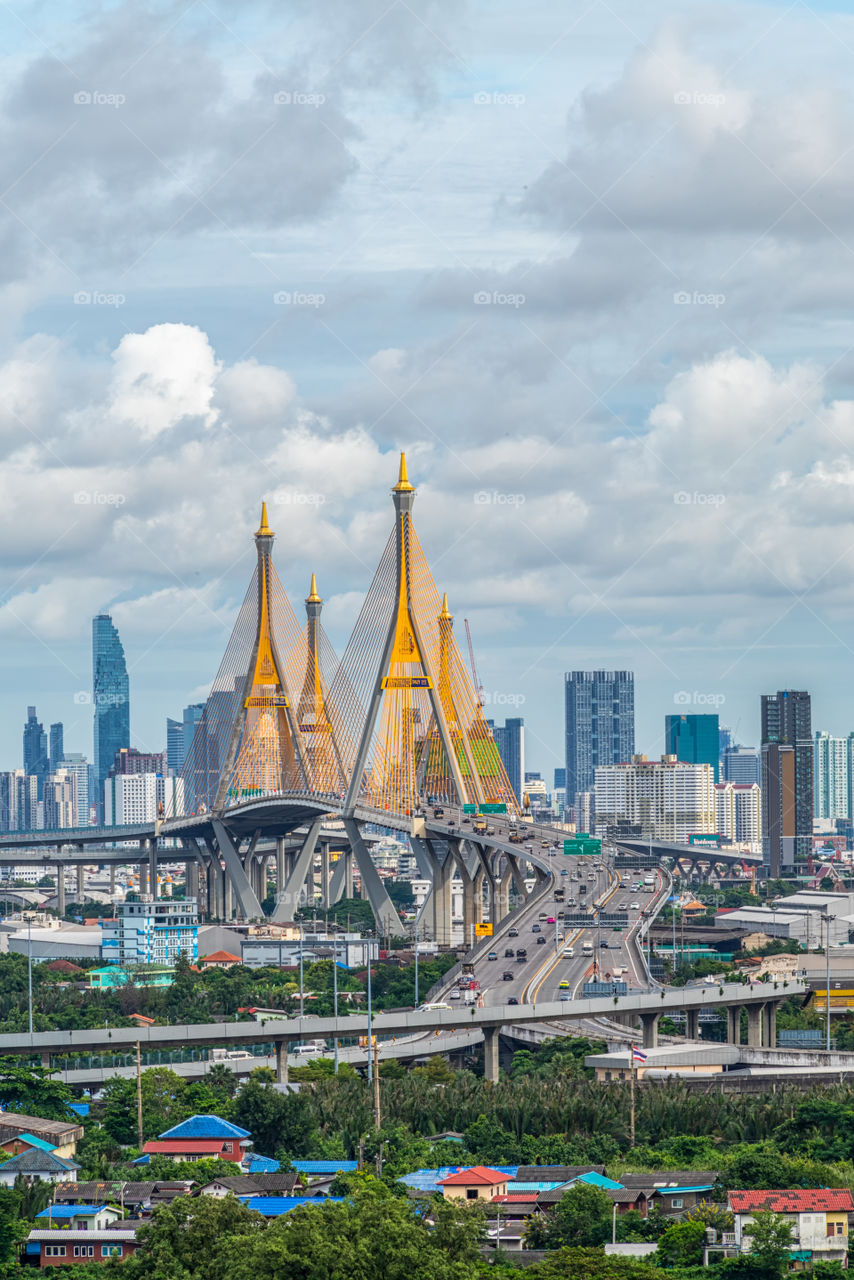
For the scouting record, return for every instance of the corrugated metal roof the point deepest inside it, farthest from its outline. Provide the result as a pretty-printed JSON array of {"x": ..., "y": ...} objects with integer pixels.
[
  {"x": 261, "y": 1164},
  {"x": 41, "y": 1143},
  {"x": 205, "y": 1126},
  {"x": 36, "y": 1161},
  {"x": 73, "y": 1210},
  {"x": 275, "y": 1206},
  {"x": 325, "y": 1166},
  {"x": 520, "y": 1188}
]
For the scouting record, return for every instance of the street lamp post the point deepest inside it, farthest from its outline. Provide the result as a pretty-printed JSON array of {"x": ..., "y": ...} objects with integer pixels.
[
  {"x": 335, "y": 994},
  {"x": 30, "y": 970},
  {"x": 416, "y": 964},
  {"x": 301, "y": 986},
  {"x": 827, "y": 919},
  {"x": 370, "y": 1016}
]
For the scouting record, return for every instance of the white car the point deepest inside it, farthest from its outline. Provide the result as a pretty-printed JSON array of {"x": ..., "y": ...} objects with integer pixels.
[
  {"x": 634, "y": 906},
  {"x": 455, "y": 995}
]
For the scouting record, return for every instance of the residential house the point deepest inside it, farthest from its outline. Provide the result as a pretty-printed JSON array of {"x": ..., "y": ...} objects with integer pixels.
[
  {"x": 819, "y": 1221},
  {"x": 428, "y": 1182},
  {"x": 80, "y": 1217},
  {"x": 35, "y": 1165},
  {"x": 62, "y": 1135},
  {"x": 137, "y": 1198},
  {"x": 219, "y": 960},
  {"x": 201, "y": 1137},
  {"x": 671, "y": 1191},
  {"x": 25, "y": 1142},
  {"x": 478, "y": 1183},
  {"x": 261, "y": 1184},
  {"x": 57, "y": 1248}
]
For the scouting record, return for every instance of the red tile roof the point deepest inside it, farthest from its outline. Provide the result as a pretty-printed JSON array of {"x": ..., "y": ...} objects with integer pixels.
[
  {"x": 478, "y": 1176},
  {"x": 515, "y": 1199},
  {"x": 220, "y": 957},
  {"x": 824, "y": 1200},
  {"x": 182, "y": 1146}
]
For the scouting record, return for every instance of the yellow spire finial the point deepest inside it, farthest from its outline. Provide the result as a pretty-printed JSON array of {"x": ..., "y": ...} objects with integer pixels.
[
  {"x": 403, "y": 485},
  {"x": 313, "y": 597},
  {"x": 446, "y": 613},
  {"x": 264, "y": 530}
]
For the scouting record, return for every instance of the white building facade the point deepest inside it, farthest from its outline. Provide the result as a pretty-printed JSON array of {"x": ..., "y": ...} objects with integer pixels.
[
  {"x": 830, "y": 776},
  {"x": 666, "y": 798}
]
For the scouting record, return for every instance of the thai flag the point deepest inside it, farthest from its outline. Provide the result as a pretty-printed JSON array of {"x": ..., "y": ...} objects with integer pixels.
[{"x": 638, "y": 1055}]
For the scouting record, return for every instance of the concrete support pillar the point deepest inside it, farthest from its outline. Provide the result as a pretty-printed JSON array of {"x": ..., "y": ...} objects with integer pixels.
[
  {"x": 442, "y": 901},
  {"x": 477, "y": 885},
  {"x": 280, "y": 866},
  {"x": 80, "y": 888},
  {"x": 60, "y": 889},
  {"x": 502, "y": 895},
  {"x": 46, "y": 1059},
  {"x": 112, "y": 879},
  {"x": 469, "y": 913},
  {"x": 348, "y": 874},
  {"x": 692, "y": 1024},
  {"x": 264, "y": 863},
  {"x": 191, "y": 881},
  {"x": 649, "y": 1027},
  {"x": 152, "y": 868},
  {"x": 143, "y": 877},
  {"x": 324, "y": 876},
  {"x": 281, "y": 1062},
  {"x": 769, "y": 1024},
  {"x": 490, "y": 1054},
  {"x": 754, "y": 1026},
  {"x": 733, "y": 1024},
  {"x": 227, "y": 896}
]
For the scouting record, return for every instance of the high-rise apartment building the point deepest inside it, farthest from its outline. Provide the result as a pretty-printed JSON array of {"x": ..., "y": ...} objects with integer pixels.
[
  {"x": 738, "y": 813},
  {"x": 60, "y": 800},
  {"x": 111, "y": 698},
  {"x": 740, "y": 764},
  {"x": 137, "y": 797},
  {"x": 179, "y": 736},
  {"x": 130, "y": 760},
  {"x": 151, "y": 931},
  {"x": 77, "y": 766},
  {"x": 35, "y": 749},
  {"x": 57, "y": 749},
  {"x": 510, "y": 740},
  {"x": 662, "y": 799},
  {"x": 600, "y": 724},
  {"x": 693, "y": 739},
  {"x": 787, "y": 790},
  {"x": 830, "y": 776}
]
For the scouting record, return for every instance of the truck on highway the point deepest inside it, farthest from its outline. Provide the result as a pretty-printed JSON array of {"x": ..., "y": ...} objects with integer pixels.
[{"x": 587, "y": 948}]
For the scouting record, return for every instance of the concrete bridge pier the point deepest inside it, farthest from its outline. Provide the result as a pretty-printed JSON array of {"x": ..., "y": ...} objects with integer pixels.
[
  {"x": 649, "y": 1029},
  {"x": 60, "y": 888},
  {"x": 769, "y": 1024},
  {"x": 349, "y": 891},
  {"x": 191, "y": 878},
  {"x": 280, "y": 865},
  {"x": 151, "y": 846},
  {"x": 324, "y": 876},
  {"x": 490, "y": 1054},
  {"x": 502, "y": 895},
  {"x": 143, "y": 877},
  {"x": 288, "y": 901},
  {"x": 388, "y": 921},
  {"x": 754, "y": 1025},
  {"x": 112, "y": 880},
  {"x": 692, "y": 1024},
  {"x": 80, "y": 886},
  {"x": 281, "y": 1062},
  {"x": 733, "y": 1024}
]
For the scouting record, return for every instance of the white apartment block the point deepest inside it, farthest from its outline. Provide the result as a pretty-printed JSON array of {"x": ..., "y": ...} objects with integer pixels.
[
  {"x": 831, "y": 767},
  {"x": 738, "y": 813},
  {"x": 667, "y": 799},
  {"x": 135, "y": 797}
]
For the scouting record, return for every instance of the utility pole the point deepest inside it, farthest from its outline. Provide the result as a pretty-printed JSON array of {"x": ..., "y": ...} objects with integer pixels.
[
  {"x": 30, "y": 969},
  {"x": 335, "y": 994},
  {"x": 416, "y": 965},
  {"x": 377, "y": 1118},
  {"x": 301, "y": 986},
  {"x": 827, "y": 919},
  {"x": 632, "y": 1096},
  {"x": 370, "y": 1015},
  {"x": 139, "y": 1094}
]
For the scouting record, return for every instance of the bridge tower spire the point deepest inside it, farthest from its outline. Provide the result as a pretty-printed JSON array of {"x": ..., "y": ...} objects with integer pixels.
[
  {"x": 404, "y": 676},
  {"x": 314, "y": 721},
  {"x": 264, "y": 753}
]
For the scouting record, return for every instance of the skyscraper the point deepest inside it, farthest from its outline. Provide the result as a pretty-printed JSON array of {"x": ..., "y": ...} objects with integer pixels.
[
  {"x": 693, "y": 739},
  {"x": 787, "y": 790},
  {"x": 740, "y": 764},
  {"x": 830, "y": 776},
  {"x": 35, "y": 749},
  {"x": 111, "y": 696},
  {"x": 179, "y": 735},
  {"x": 510, "y": 740},
  {"x": 57, "y": 750},
  {"x": 600, "y": 724}
]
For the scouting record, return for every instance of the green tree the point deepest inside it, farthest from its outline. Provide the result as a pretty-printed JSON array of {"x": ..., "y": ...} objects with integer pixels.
[
  {"x": 681, "y": 1245},
  {"x": 581, "y": 1217},
  {"x": 32, "y": 1090},
  {"x": 12, "y": 1230},
  {"x": 274, "y": 1119},
  {"x": 192, "y": 1239},
  {"x": 770, "y": 1240}
]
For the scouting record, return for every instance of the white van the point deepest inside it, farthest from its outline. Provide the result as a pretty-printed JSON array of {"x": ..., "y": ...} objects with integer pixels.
[
  {"x": 570, "y": 952},
  {"x": 430, "y": 1008}
]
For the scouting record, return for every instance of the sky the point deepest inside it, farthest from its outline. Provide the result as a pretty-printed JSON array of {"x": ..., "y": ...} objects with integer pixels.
[{"x": 590, "y": 265}]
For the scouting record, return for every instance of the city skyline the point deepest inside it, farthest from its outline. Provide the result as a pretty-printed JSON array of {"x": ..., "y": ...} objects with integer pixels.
[{"x": 641, "y": 441}]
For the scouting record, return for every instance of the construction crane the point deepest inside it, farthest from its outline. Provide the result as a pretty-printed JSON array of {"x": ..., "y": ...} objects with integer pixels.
[{"x": 477, "y": 685}]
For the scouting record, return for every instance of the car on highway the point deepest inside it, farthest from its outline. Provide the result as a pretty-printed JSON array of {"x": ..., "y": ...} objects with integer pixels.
[
  {"x": 493, "y": 955},
  {"x": 512, "y": 999},
  {"x": 563, "y": 984},
  {"x": 634, "y": 906},
  {"x": 513, "y": 933},
  {"x": 566, "y": 996},
  {"x": 564, "y": 872},
  {"x": 603, "y": 945},
  {"x": 570, "y": 952},
  {"x": 508, "y": 951},
  {"x": 507, "y": 976},
  {"x": 535, "y": 928},
  {"x": 550, "y": 919},
  {"x": 624, "y": 906},
  {"x": 541, "y": 941},
  {"x": 522, "y": 953}
]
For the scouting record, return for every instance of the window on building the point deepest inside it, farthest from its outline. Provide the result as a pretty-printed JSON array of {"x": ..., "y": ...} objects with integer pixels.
[
  {"x": 84, "y": 1251},
  {"x": 111, "y": 1250},
  {"x": 677, "y": 1204},
  {"x": 54, "y": 1251},
  {"x": 471, "y": 1193}
]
